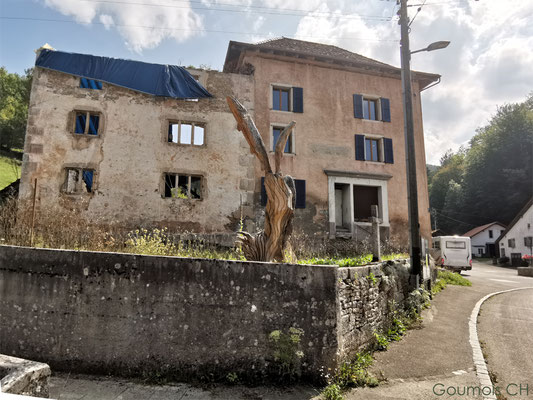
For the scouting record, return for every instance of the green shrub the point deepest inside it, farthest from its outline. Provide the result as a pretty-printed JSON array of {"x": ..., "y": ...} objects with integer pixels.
[
  {"x": 286, "y": 351},
  {"x": 332, "y": 392},
  {"x": 382, "y": 342},
  {"x": 445, "y": 277},
  {"x": 355, "y": 373}
]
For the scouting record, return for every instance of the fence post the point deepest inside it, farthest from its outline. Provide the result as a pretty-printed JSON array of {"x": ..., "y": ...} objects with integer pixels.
[{"x": 376, "y": 250}]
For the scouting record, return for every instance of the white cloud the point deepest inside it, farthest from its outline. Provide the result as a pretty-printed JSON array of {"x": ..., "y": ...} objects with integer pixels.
[
  {"x": 107, "y": 20},
  {"x": 487, "y": 64},
  {"x": 143, "y": 26}
]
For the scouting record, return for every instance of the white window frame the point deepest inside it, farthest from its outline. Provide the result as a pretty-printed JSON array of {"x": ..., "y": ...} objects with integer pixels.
[
  {"x": 282, "y": 86},
  {"x": 381, "y": 150},
  {"x": 291, "y": 138},
  {"x": 188, "y": 122},
  {"x": 377, "y": 99}
]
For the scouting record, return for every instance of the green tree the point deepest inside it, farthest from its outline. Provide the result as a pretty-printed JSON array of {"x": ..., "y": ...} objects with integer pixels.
[
  {"x": 14, "y": 100},
  {"x": 498, "y": 172},
  {"x": 493, "y": 178}
]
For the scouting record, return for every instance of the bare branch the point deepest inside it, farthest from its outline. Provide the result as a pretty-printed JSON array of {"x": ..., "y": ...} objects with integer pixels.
[
  {"x": 280, "y": 145},
  {"x": 247, "y": 126}
]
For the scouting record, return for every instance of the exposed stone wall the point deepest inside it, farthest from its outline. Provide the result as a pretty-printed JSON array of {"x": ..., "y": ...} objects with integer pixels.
[
  {"x": 367, "y": 296},
  {"x": 185, "y": 318},
  {"x": 24, "y": 377},
  {"x": 131, "y": 153}
]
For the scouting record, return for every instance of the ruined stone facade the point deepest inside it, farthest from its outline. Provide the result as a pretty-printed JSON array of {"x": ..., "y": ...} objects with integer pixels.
[
  {"x": 346, "y": 153},
  {"x": 131, "y": 154}
]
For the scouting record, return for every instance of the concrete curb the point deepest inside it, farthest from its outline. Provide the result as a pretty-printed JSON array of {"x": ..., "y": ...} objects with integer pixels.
[{"x": 479, "y": 362}]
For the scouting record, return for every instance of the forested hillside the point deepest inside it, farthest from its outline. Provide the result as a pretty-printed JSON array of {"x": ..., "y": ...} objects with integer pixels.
[{"x": 491, "y": 179}]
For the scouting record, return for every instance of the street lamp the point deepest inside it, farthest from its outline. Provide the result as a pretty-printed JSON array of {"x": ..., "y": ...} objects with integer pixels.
[
  {"x": 412, "y": 190},
  {"x": 434, "y": 46}
]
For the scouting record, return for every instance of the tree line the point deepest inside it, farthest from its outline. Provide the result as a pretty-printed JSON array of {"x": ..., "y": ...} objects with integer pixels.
[
  {"x": 14, "y": 99},
  {"x": 489, "y": 180}
]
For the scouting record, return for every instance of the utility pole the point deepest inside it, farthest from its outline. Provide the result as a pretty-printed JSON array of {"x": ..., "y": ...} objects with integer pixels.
[{"x": 412, "y": 192}]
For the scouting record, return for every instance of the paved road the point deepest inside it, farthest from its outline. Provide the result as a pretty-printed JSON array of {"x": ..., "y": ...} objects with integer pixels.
[
  {"x": 506, "y": 331},
  {"x": 439, "y": 354}
]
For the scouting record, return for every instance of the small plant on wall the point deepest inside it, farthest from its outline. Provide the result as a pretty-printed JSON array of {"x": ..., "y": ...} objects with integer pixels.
[{"x": 287, "y": 352}]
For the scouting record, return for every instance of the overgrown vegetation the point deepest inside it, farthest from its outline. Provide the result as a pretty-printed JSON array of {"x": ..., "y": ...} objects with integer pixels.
[
  {"x": 9, "y": 170},
  {"x": 287, "y": 352},
  {"x": 445, "y": 277},
  {"x": 63, "y": 226},
  {"x": 14, "y": 100}
]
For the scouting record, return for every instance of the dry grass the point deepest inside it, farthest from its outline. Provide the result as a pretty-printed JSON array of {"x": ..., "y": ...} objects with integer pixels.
[{"x": 62, "y": 227}]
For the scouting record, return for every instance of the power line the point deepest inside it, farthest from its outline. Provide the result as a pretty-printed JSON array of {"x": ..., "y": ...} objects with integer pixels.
[
  {"x": 252, "y": 9},
  {"x": 186, "y": 29},
  {"x": 453, "y": 219},
  {"x": 417, "y": 11}
]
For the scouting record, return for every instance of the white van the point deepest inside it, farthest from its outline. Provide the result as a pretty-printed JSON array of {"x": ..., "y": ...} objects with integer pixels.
[{"x": 452, "y": 252}]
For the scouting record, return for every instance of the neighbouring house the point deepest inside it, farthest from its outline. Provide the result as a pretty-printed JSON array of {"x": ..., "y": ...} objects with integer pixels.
[
  {"x": 348, "y": 147},
  {"x": 517, "y": 240},
  {"x": 483, "y": 239},
  {"x": 141, "y": 152}
]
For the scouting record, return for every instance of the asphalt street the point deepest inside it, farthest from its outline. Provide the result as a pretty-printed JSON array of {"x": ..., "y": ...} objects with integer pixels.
[{"x": 505, "y": 331}]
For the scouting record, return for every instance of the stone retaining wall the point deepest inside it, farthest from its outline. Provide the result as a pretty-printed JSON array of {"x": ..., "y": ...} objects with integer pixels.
[{"x": 185, "y": 318}]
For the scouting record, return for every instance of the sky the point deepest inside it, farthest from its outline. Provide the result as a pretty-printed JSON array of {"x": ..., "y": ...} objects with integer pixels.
[{"x": 488, "y": 63}]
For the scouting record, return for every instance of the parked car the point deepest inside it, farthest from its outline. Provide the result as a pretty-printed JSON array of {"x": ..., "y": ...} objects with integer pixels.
[{"x": 452, "y": 252}]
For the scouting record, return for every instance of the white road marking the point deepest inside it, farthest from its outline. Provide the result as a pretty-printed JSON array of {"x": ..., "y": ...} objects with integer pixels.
[
  {"x": 459, "y": 372},
  {"x": 503, "y": 280},
  {"x": 479, "y": 361}
]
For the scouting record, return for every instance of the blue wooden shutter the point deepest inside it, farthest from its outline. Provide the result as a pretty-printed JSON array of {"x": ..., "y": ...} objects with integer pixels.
[
  {"x": 263, "y": 192},
  {"x": 300, "y": 193},
  {"x": 360, "y": 147},
  {"x": 385, "y": 110},
  {"x": 297, "y": 100},
  {"x": 358, "y": 106},
  {"x": 387, "y": 147}
]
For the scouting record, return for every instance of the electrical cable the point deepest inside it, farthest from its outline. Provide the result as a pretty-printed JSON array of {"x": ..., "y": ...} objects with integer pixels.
[{"x": 186, "y": 29}]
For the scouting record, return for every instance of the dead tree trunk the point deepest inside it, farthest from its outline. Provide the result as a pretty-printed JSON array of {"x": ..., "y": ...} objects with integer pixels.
[{"x": 271, "y": 243}]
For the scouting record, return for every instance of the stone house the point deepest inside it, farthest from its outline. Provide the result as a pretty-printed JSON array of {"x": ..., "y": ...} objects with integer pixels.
[
  {"x": 167, "y": 161},
  {"x": 347, "y": 149},
  {"x": 146, "y": 160},
  {"x": 517, "y": 240},
  {"x": 483, "y": 239}
]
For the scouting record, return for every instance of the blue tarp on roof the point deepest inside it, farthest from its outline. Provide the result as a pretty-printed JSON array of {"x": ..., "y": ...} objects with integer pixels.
[{"x": 156, "y": 79}]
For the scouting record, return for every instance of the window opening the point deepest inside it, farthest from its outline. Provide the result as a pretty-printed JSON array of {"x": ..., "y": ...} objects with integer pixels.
[
  {"x": 455, "y": 245},
  {"x": 280, "y": 99},
  {"x": 79, "y": 180},
  {"x": 183, "y": 186},
  {"x": 186, "y": 133},
  {"x": 276, "y": 132},
  {"x": 87, "y": 123},
  {"x": 364, "y": 198},
  {"x": 371, "y": 149},
  {"x": 370, "y": 108},
  {"x": 90, "y": 84}
]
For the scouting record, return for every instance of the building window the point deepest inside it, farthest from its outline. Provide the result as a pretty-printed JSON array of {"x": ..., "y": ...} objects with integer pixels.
[
  {"x": 181, "y": 186},
  {"x": 480, "y": 252},
  {"x": 192, "y": 133},
  {"x": 371, "y": 148},
  {"x": 276, "y": 132},
  {"x": 299, "y": 186},
  {"x": 78, "y": 180},
  {"x": 87, "y": 123},
  {"x": 90, "y": 84},
  {"x": 287, "y": 98},
  {"x": 490, "y": 233},
  {"x": 280, "y": 99},
  {"x": 528, "y": 241},
  {"x": 371, "y": 108},
  {"x": 511, "y": 243}
]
